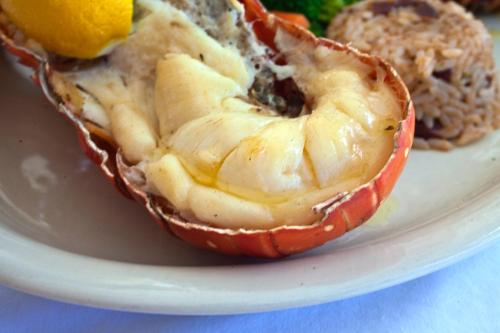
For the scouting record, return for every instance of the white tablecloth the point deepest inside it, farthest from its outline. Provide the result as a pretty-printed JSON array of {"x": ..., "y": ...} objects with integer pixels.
[{"x": 462, "y": 298}]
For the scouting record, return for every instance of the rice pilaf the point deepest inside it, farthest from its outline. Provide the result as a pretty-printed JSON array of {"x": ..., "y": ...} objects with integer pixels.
[{"x": 444, "y": 55}]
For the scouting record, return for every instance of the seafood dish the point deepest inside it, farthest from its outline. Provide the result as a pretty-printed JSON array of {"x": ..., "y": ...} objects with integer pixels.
[{"x": 237, "y": 131}]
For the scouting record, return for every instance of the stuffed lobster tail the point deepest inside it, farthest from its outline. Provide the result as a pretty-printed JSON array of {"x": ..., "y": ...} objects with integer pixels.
[{"x": 237, "y": 131}]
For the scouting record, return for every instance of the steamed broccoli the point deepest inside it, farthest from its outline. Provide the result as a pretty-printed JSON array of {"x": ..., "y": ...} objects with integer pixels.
[{"x": 319, "y": 12}]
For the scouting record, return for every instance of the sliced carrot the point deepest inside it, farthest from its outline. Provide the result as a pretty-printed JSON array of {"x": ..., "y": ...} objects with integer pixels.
[{"x": 296, "y": 18}]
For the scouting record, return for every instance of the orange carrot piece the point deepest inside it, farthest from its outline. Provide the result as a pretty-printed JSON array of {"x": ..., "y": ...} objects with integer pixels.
[{"x": 296, "y": 18}]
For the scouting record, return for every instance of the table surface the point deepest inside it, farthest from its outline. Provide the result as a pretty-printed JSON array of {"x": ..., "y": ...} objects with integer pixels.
[{"x": 462, "y": 298}]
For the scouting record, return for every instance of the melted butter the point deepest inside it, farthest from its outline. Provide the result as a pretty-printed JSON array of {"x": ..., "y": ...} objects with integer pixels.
[
  {"x": 383, "y": 214},
  {"x": 172, "y": 98}
]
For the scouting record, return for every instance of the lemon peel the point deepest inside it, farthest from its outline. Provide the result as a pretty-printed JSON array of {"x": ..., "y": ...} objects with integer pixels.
[{"x": 72, "y": 28}]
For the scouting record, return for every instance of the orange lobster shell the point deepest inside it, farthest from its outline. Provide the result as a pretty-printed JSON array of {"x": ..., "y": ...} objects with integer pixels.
[{"x": 340, "y": 214}]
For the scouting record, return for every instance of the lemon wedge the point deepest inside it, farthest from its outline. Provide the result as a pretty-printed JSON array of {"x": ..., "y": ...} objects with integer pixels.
[{"x": 73, "y": 28}]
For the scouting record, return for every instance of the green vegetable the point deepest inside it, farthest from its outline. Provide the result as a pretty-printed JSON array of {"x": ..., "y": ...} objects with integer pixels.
[{"x": 318, "y": 12}]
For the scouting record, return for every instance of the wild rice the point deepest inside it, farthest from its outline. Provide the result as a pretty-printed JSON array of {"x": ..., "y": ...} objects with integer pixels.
[
  {"x": 481, "y": 5},
  {"x": 442, "y": 53}
]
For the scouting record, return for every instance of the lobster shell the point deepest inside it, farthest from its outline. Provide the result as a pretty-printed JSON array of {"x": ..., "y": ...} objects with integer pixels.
[{"x": 340, "y": 214}]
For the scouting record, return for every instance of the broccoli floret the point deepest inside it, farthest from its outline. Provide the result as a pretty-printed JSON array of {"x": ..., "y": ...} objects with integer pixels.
[
  {"x": 310, "y": 8},
  {"x": 318, "y": 12}
]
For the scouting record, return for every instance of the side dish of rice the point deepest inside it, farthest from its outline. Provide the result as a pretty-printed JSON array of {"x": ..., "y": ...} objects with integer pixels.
[
  {"x": 444, "y": 55},
  {"x": 481, "y": 5}
]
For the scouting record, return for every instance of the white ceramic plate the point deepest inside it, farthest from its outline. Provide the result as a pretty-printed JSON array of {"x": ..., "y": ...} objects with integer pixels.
[{"x": 68, "y": 235}]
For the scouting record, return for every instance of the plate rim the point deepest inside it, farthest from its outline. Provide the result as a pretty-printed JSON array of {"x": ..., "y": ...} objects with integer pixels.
[{"x": 20, "y": 270}]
